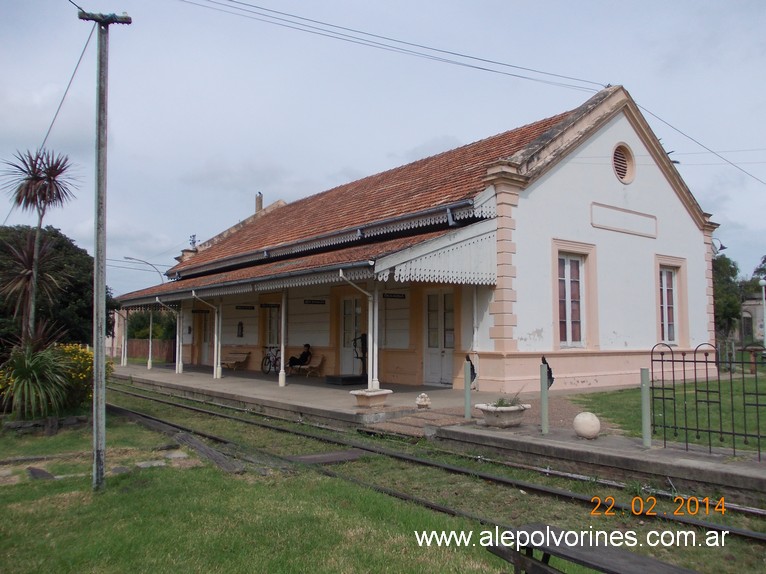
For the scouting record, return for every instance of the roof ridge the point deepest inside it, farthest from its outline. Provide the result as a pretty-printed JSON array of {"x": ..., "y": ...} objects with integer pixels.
[{"x": 441, "y": 179}]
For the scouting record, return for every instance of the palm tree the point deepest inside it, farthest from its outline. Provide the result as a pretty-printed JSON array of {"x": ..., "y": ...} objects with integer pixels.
[
  {"x": 38, "y": 181},
  {"x": 16, "y": 274}
]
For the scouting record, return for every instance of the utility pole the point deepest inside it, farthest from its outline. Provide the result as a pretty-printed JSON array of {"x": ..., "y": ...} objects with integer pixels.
[{"x": 99, "y": 264}]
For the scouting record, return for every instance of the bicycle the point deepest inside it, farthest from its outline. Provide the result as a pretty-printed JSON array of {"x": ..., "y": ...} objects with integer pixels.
[{"x": 270, "y": 360}]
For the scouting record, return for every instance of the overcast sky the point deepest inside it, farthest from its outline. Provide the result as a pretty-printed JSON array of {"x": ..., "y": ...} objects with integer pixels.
[{"x": 207, "y": 108}]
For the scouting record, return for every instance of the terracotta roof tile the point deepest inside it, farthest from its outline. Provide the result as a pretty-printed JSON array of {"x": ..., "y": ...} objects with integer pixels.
[
  {"x": 317, "y": 261},
  {"x": 438, "y": 180}
]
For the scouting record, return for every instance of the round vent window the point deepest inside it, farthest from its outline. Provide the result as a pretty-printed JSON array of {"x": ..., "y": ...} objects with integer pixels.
[{"x": 622, "y": 161}]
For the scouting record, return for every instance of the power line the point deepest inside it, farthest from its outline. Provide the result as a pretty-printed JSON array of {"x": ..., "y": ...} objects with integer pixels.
[
  {"x": 415, "y": 45},
  {"x": 113, "y": 266},
  {"x": 156, "y": 264},
  {"x": 174, "y": 248},
  {"x": 285, "y": 23},
  {"x": 703, "y": 146},
  {"x": 76, "y": 6},
  {"x": 61, "y": 103},
  {"x": 69, "y": 85},
  {"x": 722, "y": 151}
]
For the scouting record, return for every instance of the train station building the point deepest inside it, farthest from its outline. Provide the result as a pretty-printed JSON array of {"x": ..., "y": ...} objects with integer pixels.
[{"x": 573, "y": 238}]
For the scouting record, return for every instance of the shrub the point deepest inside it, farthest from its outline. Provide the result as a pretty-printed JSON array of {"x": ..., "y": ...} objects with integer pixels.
[
  {"x": 79, "y": 372},
  {"x": 34, "y": 382}
]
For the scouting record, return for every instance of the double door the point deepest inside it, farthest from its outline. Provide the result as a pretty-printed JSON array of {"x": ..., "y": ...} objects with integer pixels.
[{"x": 440, "y": 337}]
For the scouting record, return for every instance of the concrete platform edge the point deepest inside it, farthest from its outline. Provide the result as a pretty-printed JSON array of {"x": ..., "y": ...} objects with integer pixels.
[
  {"x": 639, "y": 460},
  {"x": 269, "y": 406}
]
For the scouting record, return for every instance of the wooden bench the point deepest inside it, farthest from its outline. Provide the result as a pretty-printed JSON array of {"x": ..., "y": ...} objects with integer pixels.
[
  {"x": 234, "y": 359},
  {"x": 313, "y": 367},
  {"x": 610, "y": 559}
]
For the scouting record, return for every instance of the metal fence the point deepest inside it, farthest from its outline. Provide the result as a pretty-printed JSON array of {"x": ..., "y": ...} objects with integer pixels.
[{"x": 698, "y": 399}]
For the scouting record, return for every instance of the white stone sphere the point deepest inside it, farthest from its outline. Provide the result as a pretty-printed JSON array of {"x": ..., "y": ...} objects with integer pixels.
[{"x": 587, "y": 425}]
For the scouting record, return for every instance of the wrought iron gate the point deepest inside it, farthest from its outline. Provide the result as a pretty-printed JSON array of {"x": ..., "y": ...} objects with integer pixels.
[{"x": 697, "y": 399}]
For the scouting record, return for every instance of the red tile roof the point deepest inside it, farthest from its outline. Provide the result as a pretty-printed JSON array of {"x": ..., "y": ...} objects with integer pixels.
[
  {"x": 439, "y": 180},
  {"x": 316, "y": 262}
]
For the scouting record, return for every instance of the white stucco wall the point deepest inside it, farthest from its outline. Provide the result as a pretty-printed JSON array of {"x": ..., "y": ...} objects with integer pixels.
[
  {"x": 483, "y": 299},
  {"x": 559, "y": 206}
]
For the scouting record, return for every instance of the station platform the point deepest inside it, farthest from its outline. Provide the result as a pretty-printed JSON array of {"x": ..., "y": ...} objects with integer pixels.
[{"x": 741, "y": 478}]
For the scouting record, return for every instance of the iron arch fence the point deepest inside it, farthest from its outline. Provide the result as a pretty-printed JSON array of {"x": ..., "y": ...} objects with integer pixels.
[{"x": 697, "y": 399}]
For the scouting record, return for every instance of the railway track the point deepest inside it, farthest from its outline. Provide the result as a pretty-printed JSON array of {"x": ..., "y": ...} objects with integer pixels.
[{"x": 407, "y": 459}]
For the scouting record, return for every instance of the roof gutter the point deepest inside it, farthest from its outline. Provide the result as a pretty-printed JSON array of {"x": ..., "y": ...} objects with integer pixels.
[
  {"x": 359, "y": 232},
  {"x": 186, "y": 293}
]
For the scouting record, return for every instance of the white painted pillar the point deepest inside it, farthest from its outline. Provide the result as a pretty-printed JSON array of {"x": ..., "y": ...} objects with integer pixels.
[
  {"x": 151, "y": 328},
  {"x": 179, "y": 341},
  {"x": 216, "y": 339},
  {"x": 282, "y": 335},
  {"x": 124, "y": 350},
  {"x": 374, "y": 338},
  {"x": 217, "y": 371}
]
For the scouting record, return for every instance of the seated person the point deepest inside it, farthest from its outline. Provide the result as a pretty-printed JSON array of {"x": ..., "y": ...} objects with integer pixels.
[{"x": 303, "y": 359}]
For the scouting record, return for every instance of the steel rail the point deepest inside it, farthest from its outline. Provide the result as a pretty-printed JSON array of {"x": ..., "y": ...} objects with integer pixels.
[{"x": 495, "y": 479}]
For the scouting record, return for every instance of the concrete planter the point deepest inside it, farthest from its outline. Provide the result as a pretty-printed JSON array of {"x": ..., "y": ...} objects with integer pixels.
[
  {"x": 503, "y": 417},
  {"x": 371, "y": 398}
]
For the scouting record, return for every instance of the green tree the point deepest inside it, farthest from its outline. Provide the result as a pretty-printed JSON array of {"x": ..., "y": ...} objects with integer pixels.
[
  {"x": 37, "y": 181},
  {"x": 163, "y": 325},
  {"x": 760, "y": 271},
  {"x": 727, "y": 295},
  {"x": 17, "y": 272},
  {"x": 66, "y": 276}
]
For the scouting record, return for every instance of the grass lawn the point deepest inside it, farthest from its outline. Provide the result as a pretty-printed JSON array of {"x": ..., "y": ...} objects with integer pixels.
[
  {"x": 623, "y": 407},
  {"x": 193, "y": 517},
  {"x": 200, "y": 520}
]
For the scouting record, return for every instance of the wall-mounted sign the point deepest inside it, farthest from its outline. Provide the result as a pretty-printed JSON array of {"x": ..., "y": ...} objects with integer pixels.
[
  {"x": 394, "y": 296},
  {"x": 245, "y": 307},
  {"x": 200, "y": 311},
  {"x": 269, "y": 305},
  {"x": 314, "y": 302}
]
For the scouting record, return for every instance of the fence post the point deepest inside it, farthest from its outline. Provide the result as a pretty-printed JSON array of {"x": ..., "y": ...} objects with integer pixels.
[
  {"x": 544, "y": 398},
  {"x": 646, "y": 411}
]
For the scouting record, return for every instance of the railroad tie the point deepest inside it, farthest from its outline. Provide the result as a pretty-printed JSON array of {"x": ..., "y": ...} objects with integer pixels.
[{"x": 222, "y": 461}]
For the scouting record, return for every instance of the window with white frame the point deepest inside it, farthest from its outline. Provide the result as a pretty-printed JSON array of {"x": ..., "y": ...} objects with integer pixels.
[
  {"x": 570, "y": 295},
  {"x": 668, "y": 304}
]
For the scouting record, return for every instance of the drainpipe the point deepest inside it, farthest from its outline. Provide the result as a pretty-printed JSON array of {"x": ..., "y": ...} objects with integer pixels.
[
  {"x": 283, "y": 328},
  {"x": 179, "y": 330},
  {"x": 216, "y": 339},
  {"x": 372, "y": 379}
]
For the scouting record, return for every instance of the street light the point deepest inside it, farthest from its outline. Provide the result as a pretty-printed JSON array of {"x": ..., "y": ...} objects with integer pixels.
[
  {"x": 151, "y": 315},
  {"x": 162, "y": 277},
  {"x": 719, "y": 248}
]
